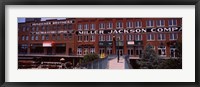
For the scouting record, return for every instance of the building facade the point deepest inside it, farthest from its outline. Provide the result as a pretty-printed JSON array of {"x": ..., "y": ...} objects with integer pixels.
[{"x": 109, "y": 36}]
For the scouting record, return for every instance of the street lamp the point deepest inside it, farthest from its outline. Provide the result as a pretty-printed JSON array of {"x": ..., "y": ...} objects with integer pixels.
[{"x": 118, "y": 50}]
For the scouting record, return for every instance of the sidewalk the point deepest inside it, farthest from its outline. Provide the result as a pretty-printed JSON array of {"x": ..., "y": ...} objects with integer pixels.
[{"x": 113, "y": 64}]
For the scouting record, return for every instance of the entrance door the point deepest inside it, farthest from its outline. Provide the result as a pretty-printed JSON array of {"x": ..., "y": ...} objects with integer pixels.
[
  {"x": 49, "y": 50},
  {"x": 70, "y": 51}
]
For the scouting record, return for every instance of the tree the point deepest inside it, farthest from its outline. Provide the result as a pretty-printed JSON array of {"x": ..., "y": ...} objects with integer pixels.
[
  {"x": 149, "y": 58},
  {"x": 90, "y": 57}
]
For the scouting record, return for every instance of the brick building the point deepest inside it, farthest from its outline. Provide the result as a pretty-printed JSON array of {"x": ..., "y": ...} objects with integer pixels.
[{"x": 80, "y": 36}]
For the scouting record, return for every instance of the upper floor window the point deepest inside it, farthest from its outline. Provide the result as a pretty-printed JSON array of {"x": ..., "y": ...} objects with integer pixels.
[
  {"x": 160, "y": 23},
  {"x": 24, "y": 28},
  {"x": 92, "y": 26},
  {"x": 37, "y": 28},
  {"x": 109, "y": 25},
  {"x": 36, "y": 37},
  {"x": 161, "y": 37},
  {"x": 86, "y": 26},
  {"x": 86, "y": 38},
  {"x": 108, "y": 38},
  {"x": 150, "y": 37},
  {"x": 27, "y": 37},
  {"x": 101, "y": 38},
  {"x": 79, "y": 27},
  {"x": 138, "y": 24},
  {"x": 32, "y": 37},
  {"x": 150, "y": 23},
  {"x": 119, "y": 24},
  {"x": 43, "y": 28},
  {"x": 79, "y": 38},
  {"x": 43, "y": 37},
  {"x": 23, "y": 37},
  {"x": 173, "y": 36},
  {"x": 172, "y": 22},
  {"x": 92, "y": 38},
  {"x": 101, "y": 26},
  {"x": 47, "y": 37},
  {"x": 138, "y": 37},
  {"x": 129, "y": 24},
  {"x": 130, "y": 37}
]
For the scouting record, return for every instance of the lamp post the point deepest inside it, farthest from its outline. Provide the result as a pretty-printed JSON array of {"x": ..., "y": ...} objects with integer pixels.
[{"x": 118, "y": 50}]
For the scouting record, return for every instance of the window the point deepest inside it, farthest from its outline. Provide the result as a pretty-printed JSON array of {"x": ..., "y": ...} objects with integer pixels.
[
  {"x": 101, "y": 38},
  {"x": 27, "y": 37},
  {"x": 130, "y": 51},
  {"x": 58, "y": 37},
  {"x": 150, "y": 23},
  {"x": 160, "y": 23},
  {"x": 119, "y": 37},
  {"x": 161, "y": 37},
  {"x": 109, "y": 25},
  {"x": 108, "y": 38},
  {"x": 86, "y": 38},
  {"x": 69, "y": 26},
  {"x": 36, "y": 37},
  {"x": 173, "y": 51},
  {"x": 33, "y": 28},
  {"x": 101, "y": 26},
  {"x": 23, "y": 49},
  {"x": 47, "y": 37},
  {"x": 129, "y": 24},
  {"x": 47, "y": 28},
  {"x": 23, "y": 37},
  {"x": 86, "y": 27},
  {"x": 92, "y": 50},
  {"x": 43, "y": 28},
  {"x": 53, "y": 37},
  {"x": 42, "y": 37},
  {"x": 138, "y": 50},
  {"x": 37, "y": 28},
  {"x": 173, "y": 36},
  {"x": 32, "y": 37},
  {"x": 79, "y": 27},
  {"x": 28, "y": 27},
  {"x": 161, "y": 50},
  {"x": 79, "y": 38},
  {"x": 172, "y": 22},
  {"x": 109, "y": 51},
  {"x": 101, "y": 50},
  {"x": 65, "y": 36},
  {"x": 138, "y": 24},
  {"x": 92, "y": 26},
  {"x": 129, "y": 37},
  {"x": 85, "y": 51},
  {"x": 92, "y": 38},
  {"x": 79, "y": 51},
  {"x": 119, "y": 24},
  {"x": 150, "y": 37},
  {"x": 24, "y": 28},
  {"x": 138, "y": 37}
]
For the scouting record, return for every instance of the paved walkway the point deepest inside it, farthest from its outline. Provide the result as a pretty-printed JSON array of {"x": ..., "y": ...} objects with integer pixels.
[{"x": 113, "y": 64}]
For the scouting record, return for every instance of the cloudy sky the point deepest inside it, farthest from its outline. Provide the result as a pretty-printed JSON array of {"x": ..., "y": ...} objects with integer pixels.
[{"x": 43, "y": 19}]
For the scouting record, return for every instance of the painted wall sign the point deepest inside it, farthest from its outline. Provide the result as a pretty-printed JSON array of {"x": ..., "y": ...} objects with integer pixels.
[
  {"x": 54, "y": 22},
  {"x": 137, "y": 30}
]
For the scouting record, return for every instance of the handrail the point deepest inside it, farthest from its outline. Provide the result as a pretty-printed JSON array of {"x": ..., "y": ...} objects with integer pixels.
[{"x": 127, "y": 62}]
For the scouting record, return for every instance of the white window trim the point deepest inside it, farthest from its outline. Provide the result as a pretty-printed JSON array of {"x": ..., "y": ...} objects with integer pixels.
[
  {"x": 173, "y": 36},
  {"x": 138, "y": 22},
  {"x": 162, "y": 37},
  {"x": 172, "y": 22},
  {"x": 128, "y": 25},
  {"x": 120, "y": 22},
  {"x": 150, "y": 23},
  {"x": 160, "y": 21},
  {"x": 151, "y": 35}
]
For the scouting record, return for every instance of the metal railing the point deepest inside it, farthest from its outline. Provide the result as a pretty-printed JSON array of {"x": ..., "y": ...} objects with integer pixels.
[
  {"x": 96, "y": 64},
  {"x": 127, "y": 62}
]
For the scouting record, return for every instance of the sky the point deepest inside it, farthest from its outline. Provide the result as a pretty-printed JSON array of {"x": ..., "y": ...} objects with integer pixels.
[{"x": 43, "y": 19}]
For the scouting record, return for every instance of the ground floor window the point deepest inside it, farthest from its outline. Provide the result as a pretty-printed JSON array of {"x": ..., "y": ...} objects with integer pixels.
[
  {"x": 23, "y": 48},
  {"x": 60, "y": 50},
  {"x": 86, "y": 50},
  {"x": 173, "y": 51},
  {"x": 101, "y": 50},
  {"x": 162, "y": 50},
  {"x": 138, "y": 51},
  {"x": 130, "y": 51},
  {"x": 37, "y": 50},
  {"x": 120, "y": 52},
  {"x": 92, "y": 50},
  {"x": 79, "y": 51},
  {"x": 109, "y": 51}
]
